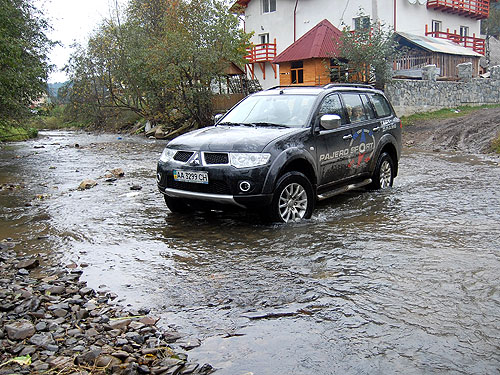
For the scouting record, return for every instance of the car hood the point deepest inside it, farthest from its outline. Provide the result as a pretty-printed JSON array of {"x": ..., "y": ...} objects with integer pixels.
[{"x": 230, "y": 138}]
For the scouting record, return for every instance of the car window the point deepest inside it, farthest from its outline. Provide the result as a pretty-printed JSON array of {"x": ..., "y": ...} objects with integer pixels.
[
  {"x": 382, "y": 108},
  {"x": 283, "y": 110},
  {"x": 368, "y": 107},
  {"x": 331, "y": 105},
  {"x": 354, "y": 107}
]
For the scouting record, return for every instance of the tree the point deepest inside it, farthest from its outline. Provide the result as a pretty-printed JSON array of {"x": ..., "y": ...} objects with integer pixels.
[
  {"x": 157, "y": 60},
  {"x": 491, "y": 28},
  {"x": 24, "y": 63},
  {"x": 366, "y": 54}
]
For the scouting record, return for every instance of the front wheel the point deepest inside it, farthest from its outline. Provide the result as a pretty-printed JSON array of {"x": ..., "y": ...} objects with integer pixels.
[
  {"x": 383, "y": 176},
  {"x": 293, "y": 198}
]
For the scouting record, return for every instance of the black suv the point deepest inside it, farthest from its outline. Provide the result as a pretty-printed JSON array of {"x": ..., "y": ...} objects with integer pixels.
[{"x": 279, "y": 150}]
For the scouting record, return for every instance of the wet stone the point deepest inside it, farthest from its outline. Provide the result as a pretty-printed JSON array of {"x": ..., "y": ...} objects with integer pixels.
[
  {"x": 59, "y": 312},
  {"x": 28, "y": 264},
  {"x": 41, "y": 326},
  {"x": 87, "y": 358},
  {"x": 42, "y": 339},
  {"x": 20, "y": 330}
]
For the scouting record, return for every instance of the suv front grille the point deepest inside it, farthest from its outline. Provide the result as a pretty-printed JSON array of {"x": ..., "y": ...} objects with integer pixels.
[
  {"x": 183, "y": 156},
  {"x": 216, "y": 158},
  {"x": 213, "y": 187}
]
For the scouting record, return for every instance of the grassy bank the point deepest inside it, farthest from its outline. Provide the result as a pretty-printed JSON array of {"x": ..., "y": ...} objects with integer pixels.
[
  {"x": 55, "y": 118},
  {"x": 12, "y": 132},
  {"x": 443, "y": 114}
]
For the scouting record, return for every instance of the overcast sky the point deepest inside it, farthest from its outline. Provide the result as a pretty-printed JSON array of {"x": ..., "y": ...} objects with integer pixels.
[{"x": 72, "y": 21}]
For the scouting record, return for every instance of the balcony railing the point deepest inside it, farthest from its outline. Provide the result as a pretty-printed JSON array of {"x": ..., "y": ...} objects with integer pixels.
[
  {"x": 265, "y": 52},
  {"x": 477, "y": 9},
  {"x": 476, "y": 44}
]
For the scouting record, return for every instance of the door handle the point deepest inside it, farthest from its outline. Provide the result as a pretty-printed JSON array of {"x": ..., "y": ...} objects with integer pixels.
[
  {"x": 376, "y": 129},
  {"x": 348, "y": 136}
]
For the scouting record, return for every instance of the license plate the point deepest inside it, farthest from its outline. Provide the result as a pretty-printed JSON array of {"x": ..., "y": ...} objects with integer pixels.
[{"x": 190, "y": 176}]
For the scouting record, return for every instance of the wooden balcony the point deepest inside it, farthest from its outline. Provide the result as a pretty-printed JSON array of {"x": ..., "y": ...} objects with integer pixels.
[
  {"x": 477, "y": 9},
  {"x": 476, "y": 44},
  {"x": 261, "y": 54}
]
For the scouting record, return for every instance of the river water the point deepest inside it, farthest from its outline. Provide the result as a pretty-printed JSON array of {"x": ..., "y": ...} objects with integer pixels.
[{"x": 404, "y": 281}]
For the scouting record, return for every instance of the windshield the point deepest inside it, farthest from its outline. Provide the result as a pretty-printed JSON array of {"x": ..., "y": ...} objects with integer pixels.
[{"x": 277, "y": 110}]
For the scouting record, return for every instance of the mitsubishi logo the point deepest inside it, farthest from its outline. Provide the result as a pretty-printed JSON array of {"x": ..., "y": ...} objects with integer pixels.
[{"x": 195, "y": 159}]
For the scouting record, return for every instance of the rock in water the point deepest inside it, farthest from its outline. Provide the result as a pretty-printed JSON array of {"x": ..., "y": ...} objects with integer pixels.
[{"x": 87, "y": 184}]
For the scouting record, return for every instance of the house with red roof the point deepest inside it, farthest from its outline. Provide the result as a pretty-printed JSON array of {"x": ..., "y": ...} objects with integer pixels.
[
  {"x": 307, "y": 61},
  {"x": 289, "y": 42}
]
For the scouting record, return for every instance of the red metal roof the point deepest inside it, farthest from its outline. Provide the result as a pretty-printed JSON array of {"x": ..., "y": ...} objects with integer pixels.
[
  {"x": 243, "y": 3},
  {"x": 319, "y": 42}
]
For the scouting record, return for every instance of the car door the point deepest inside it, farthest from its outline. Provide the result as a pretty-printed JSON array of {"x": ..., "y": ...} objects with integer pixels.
[
  {"x": 364, "y": 136},
  {"x": 333, "y": 145}
]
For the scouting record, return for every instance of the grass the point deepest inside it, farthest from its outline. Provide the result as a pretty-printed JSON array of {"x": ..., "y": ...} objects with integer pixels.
[
  {"x": 495, "y": 145},
  {"x": 10, "y": 132},
  {"x": 444, "y": 114}
]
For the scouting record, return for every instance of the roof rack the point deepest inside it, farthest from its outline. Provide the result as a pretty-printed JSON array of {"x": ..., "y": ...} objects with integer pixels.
[
  {"x": 289, "y": 86},
  {"x": 360, "y": 85}
]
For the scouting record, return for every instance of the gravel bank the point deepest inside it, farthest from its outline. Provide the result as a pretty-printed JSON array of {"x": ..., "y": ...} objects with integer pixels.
[{"x": 52, "y": 323}]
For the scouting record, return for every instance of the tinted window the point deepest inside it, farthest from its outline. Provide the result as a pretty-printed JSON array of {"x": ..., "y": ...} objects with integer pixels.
[
  {"x": 382, "y": 108},
  {"x": 331, "y": 105},
  {"x": 354, "y": 107},
  {"x": 368, "y": 107}
]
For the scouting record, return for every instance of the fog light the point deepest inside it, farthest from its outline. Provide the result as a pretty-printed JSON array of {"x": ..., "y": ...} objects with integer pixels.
[
  {"x": 158, "y": 177},
  {"x": 245, "y": 186}
]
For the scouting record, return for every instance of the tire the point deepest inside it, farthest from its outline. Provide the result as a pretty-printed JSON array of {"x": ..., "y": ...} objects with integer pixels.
[
  {"x": 177, "y": 205},
  {"x": 293, "y": 199},
  {"x": 383, "y": 176}
]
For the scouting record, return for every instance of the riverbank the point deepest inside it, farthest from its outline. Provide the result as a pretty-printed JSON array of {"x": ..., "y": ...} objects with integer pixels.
[
  {"x": 14, "y": 133},
  {"x": 468, "y": 129},
  {"x": 52, "y": 323}
]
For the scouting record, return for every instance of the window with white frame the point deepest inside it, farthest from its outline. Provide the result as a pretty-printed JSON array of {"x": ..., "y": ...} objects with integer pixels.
[
  {"x": 361, "y": 23},
  {"x": 464, "y": 31},
  {"x": 437, "y": 26},
  {"x": 268, "y": 6}
]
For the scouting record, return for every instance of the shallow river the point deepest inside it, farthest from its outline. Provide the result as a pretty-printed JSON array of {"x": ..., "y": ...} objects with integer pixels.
[{"x": 405, "y": 281}]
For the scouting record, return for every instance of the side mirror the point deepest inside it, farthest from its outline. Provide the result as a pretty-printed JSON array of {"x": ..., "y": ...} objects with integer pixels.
[
  {"x": 217, "y": 117},
  {"x": 330, "y": 122}
]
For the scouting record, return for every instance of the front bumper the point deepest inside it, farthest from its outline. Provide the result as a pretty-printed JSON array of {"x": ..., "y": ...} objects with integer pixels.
[
  {"x": 223, "y": 187},
  {"x": 245, "y": 201}
]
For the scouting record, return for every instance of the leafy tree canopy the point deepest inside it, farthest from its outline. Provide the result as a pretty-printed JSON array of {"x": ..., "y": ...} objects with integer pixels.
[
  {"x": 158, "y": 60},
  {"x": 23, "y": 57},
  {"x": 367, "y": 54}
]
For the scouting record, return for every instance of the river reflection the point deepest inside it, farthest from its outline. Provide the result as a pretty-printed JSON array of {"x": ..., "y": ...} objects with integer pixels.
[{"x": 400, "y": 281}]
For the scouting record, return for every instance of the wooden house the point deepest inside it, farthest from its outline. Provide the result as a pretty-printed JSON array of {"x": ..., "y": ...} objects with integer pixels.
[{"x": 307, "y": 61}]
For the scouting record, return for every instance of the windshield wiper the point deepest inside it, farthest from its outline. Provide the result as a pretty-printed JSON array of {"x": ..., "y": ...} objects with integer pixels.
[
  {"x": 269, "y": 124},
  {"x": 235, "y": 124}
]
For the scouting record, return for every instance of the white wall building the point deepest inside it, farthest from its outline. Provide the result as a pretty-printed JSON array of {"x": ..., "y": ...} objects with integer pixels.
[{"x": 284, "y": 21}]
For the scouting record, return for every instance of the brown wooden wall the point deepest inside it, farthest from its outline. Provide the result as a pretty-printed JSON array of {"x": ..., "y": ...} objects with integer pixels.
[{"x": 316, "y": 73}]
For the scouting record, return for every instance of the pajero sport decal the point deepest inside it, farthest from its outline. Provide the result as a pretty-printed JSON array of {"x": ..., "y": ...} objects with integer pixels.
[
  {"x": 360, "y": 150},
  {"x": 362, "y": 147}
]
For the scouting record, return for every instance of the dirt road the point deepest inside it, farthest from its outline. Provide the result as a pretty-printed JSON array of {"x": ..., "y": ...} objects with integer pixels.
[{"x": 471, "y": 133}]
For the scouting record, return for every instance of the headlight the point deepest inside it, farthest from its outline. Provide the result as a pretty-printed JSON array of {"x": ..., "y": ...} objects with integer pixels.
[
  {"x": 167, "y": 155},
  {"x": 248, "y": 160}
]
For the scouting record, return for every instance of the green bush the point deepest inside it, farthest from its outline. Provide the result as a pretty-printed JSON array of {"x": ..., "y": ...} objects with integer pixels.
[
  {"x": 495, "y": 145},
  {"x": 15, "y": 132}
]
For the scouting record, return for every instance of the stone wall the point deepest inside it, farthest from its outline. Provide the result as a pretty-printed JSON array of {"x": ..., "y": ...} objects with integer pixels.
[{"x": 411, "y": 96}]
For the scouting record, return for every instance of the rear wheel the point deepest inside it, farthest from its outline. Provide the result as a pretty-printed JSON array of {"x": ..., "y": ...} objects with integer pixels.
[
  {"x": 176, "y": 205},
  {"x": 293, "y": 198},
  {"x": 383, "y": 176}
]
